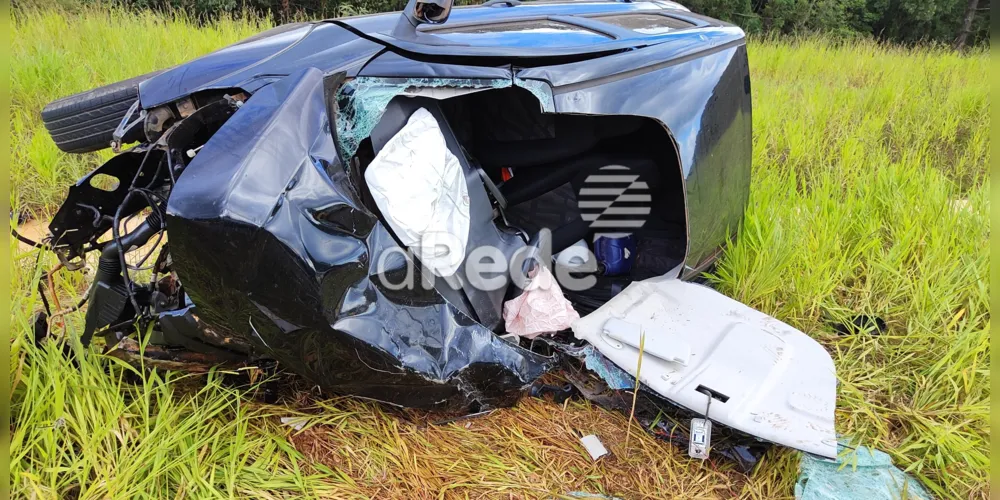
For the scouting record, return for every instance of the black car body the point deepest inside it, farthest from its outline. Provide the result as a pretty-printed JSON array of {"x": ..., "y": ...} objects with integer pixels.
[{"x": 251, "y": 158}]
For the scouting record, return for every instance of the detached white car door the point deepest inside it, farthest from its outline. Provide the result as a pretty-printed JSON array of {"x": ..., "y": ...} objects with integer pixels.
[{"x": 765, "y": 378}]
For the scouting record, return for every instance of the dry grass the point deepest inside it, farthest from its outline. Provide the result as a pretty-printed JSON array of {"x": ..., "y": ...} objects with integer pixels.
[{"x": 531, "y": 450}]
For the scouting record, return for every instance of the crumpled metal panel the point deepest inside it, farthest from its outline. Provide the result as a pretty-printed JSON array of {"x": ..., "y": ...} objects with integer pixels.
[
  {"x": 331, "y": 47},
  {"x": 271, "y": 241}
]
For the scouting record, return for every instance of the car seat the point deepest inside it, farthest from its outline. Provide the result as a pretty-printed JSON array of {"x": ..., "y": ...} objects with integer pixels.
[{"x": 484, "y": 305}]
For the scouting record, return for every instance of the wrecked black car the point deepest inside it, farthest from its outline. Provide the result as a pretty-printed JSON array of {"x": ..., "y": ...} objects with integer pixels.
[{"x": 373, "y": 202}]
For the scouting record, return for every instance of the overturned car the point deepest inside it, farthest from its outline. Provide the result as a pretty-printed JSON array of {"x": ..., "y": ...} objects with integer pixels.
[{"x": 370, "y": 201}]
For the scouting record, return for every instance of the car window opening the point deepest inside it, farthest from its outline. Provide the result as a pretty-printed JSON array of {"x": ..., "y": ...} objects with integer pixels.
[{"x": 606, "y": 189}]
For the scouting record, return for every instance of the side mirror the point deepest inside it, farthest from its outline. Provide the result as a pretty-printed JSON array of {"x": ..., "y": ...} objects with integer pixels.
[
  {"x": 431, "y": 11},
  {"x": 418, "y": 12}
]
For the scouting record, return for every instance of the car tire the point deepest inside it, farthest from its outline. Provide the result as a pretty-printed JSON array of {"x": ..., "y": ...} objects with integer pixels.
[{"x": 84, "y": 122}]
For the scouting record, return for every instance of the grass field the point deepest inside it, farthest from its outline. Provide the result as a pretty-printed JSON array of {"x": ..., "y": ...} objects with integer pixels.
[{"x": 869, "y": 196}]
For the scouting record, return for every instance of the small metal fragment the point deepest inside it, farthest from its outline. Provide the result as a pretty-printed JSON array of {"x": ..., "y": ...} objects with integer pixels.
[{"x": 186, "y": 107}]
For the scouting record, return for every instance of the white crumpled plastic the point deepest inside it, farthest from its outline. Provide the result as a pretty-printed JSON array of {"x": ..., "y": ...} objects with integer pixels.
[
  {"x": 419, "y": 186},
  {"x": 541, "y": 308}
]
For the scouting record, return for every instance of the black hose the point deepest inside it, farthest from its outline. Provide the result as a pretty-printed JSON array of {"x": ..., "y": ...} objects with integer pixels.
[
  {"x": 26, "y": 240},
  {"x": 119, "y": 244},
  {"x": 109, "y": 266},
  {"x": 112, "y": 277}
]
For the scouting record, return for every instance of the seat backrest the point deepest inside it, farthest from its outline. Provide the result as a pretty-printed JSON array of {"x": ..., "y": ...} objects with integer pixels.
[{"x": 484, "y": 305}]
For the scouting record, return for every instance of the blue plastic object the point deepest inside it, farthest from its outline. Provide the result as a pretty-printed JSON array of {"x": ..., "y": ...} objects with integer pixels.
[{"x": 614, "y": 254}]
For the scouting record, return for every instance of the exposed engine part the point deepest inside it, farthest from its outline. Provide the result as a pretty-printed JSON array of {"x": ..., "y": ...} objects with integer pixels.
[
  {"x": 186, "y": 106},
  {"x": 157, "y": 121},
  {"x": 144, "y": 178},
  {"x": 111, "y": 296}
]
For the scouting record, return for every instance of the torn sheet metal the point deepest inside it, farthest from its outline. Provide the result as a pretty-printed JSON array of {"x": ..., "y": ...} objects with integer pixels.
[
  {"x": 272, "y": 243},
  {"x": 714, "y": 355}
]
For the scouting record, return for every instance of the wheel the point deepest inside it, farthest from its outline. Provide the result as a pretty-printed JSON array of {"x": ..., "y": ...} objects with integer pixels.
[{"x": 84, "y": 122}]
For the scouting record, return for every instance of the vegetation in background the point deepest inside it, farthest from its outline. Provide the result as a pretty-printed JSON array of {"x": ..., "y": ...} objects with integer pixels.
[
  {"x": 869, "y": 196},
  {"x": 953, "y": 22},
  {"x": 901, "y": 21}
]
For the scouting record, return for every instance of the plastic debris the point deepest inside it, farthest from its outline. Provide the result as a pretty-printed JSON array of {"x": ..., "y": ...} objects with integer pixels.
[
  {"x": 862, "y": 323},
  {"x": 594, "y": 446},
  {"x": 659, "y": 417},
  {"x": 701, "y": 345},
  {"x": 297, "y": 423},
  {"x": 587, "y": 494},
  {"x": 542, "y": 308},
  {"x": 866, "y": 474}
]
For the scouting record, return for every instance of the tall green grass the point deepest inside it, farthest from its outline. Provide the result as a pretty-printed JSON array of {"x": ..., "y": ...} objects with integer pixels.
[{"x": 869, "y": 196}]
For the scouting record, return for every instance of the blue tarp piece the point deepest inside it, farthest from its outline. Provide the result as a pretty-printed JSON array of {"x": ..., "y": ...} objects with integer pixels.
[{"x": 864, "y": 474}]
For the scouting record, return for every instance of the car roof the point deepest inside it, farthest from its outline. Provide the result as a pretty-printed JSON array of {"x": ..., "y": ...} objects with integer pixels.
[{"x": 500, "y": 11}]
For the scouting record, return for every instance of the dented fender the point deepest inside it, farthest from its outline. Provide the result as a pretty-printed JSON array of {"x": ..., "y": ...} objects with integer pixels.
[{"x": 272, "y": 243}]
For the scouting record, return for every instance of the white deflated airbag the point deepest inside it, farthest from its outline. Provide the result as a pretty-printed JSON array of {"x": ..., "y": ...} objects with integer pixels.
[{"x": 419, "y": 186}]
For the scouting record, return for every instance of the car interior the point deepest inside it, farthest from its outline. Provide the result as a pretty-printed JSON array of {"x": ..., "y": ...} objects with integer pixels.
[{"x": 527, "y": 170}]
